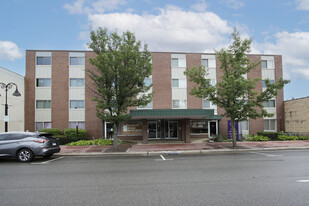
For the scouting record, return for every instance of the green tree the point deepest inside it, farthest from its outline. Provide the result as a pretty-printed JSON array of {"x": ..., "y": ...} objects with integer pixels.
[
  {"x": 118, "y": 80},
  {"x": 234, "y": 93}
]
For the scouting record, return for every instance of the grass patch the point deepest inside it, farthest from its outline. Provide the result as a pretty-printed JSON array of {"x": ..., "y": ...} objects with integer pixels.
[{"x": 93, "y": 142}]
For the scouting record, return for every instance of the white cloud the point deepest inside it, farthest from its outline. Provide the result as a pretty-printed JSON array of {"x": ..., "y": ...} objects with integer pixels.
[
  {"x": 234, "y": 4},
  {"x": 294, "y": 50},
  {"x": 9, "y": 51},
  {"x": 76, "y": 8},
  {"x": 97, "y": 6},
  {"x": 200, "y": 6},
  {"x": 302, "y": 4},
  {"x": 173, "y": 29}
]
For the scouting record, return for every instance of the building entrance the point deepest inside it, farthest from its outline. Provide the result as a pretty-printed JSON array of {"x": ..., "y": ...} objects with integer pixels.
[
  {"x": 152, "y": 130},
  {"x": 162, "y": 129}
]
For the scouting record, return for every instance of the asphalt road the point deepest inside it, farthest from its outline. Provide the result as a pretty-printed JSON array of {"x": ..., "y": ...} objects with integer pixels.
[{"x": 262, "y": 178}]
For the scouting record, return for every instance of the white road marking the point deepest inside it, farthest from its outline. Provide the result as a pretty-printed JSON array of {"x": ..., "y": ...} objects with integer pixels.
[
  {"x": 303, "y": 181},
  {"x": 46, "y": 162},
  {"x": 267, "y": 155},
  {"x": 163, "y": 159}
]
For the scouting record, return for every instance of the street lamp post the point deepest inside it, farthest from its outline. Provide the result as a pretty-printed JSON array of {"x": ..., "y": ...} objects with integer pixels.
[{"x": 6, "y": 87}]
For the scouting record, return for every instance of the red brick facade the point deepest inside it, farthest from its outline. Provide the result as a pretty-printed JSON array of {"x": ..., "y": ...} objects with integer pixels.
[{"x": 162, "y": 86}]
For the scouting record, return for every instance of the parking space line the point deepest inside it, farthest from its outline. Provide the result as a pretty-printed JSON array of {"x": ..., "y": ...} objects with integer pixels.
[
  {"x": 163, "y": 158},
  {"x": 267, "y": 155},
  {"x": 46, "y": 162},
  {"x": 303, "y": 181}
]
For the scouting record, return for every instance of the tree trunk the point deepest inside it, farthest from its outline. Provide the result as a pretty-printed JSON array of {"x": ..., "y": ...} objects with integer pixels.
[
  {"x": 115, "y": 136},
  {"x": 234, "y": 133}
]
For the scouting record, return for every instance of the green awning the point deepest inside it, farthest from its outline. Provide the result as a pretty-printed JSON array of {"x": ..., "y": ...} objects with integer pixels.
[{"x": 174, "y": 114}]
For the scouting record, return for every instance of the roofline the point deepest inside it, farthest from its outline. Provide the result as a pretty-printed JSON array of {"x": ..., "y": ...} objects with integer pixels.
[
  {"x": 12, "y": 72},
  {"x": 169, "y": 52},
  {"x": 296, "y": 99}
]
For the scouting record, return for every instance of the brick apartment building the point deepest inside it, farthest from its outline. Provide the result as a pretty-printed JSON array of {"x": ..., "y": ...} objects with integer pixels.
[
  {"x": 57, "y": 96},
  {"x": 297, "y": 116}
]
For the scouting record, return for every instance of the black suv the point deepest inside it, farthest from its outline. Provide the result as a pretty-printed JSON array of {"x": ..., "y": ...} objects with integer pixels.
[{"x": 26, "y": 145}]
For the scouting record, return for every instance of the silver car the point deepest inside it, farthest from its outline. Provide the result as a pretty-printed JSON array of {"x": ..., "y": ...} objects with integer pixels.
[{"x": 26, "y": 145}]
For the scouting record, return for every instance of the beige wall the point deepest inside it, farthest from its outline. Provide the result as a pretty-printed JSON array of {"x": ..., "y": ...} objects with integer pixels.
[
  {"x": 297, "y": 116},
  {"x": 16, "y": 104}
]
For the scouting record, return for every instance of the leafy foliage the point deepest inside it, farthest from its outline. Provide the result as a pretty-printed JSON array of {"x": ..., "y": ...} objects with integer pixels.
[
  {"x": 234, "y": 93},
  {"x": 64, "y": 139},
  {"x": 118, "y": 79},
  {"x": 71, "y": 132},
  {"x": 92, "y": 142},
  {"x": 257, "y": 138},
  {"x": 270, "y": 135},
  {"x": 53, "y": 131}
]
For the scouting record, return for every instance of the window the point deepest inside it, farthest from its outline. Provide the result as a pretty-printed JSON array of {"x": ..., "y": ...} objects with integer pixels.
[
  {"x": 177, "y": 104},
  {"x": 81, "y": 125},
  {"x": 264, "y": 64},
  {"x": 77, "y": 82},
  {"x": 205, "y": 62},
  {"x": 174, "y": 62},
  {"x": 147, "y": 82},
  {"x": 42, "y": 82},
  {"x": 270, "y": 124},
  {"x": 198, "y": 126},
  {"x": 43, "y": 61},
  {"x": 206, "y": 104},
  {"x": 42, "y": 125},
  {"x": 179, "y": 83},
  {"x": 267, "y": 64},
  {"x": 244, "y": 125},
  {"x": 270, "y": 103},
  {"x": 148, "y": 106},
  {"x": 270, "y": 81},
  {"x": 77, "y": 61},
  {"x": 43, "y": 104},
  {"x": 77, "y": 104}
]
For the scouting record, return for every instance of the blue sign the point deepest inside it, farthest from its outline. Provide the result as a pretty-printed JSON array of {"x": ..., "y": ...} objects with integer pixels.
[{"x": 230, "y": 132}]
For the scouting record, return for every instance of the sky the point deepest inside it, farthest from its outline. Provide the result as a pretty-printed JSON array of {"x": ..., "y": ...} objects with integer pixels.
[{"x": 279, "y": 27}]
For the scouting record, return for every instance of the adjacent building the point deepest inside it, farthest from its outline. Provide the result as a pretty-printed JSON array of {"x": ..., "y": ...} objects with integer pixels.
[
  {"x": 15, "y": 116},
  {"x": 297, "y": 116},
  {"x": 57, "y": 96}
]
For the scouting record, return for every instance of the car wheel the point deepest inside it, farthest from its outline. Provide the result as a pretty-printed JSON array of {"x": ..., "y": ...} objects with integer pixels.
[{"x": 24, "y": 155}]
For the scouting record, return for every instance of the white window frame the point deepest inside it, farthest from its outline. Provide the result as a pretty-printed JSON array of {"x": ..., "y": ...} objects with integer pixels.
[
  {"x": 44, "y": 81},
  {"x": 268, "y": 129},
  {"x": 182, "y": 104},
  {"x": 181, "y": 83},
  {"x": 44, "y": 104},
  {"x": 44, "y": 125},
  {"x": 77, "y": 100}
]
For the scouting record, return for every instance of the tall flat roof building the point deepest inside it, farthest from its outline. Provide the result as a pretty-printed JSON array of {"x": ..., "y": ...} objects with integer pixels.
[
  {"x": 56, "y": 97},
  {"x": 15, "y": 117}
]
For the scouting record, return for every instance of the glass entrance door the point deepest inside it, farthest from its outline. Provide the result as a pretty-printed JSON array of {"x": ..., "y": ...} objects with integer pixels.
[
  {"x": 152, "y": 130},
  {"x": 172, "y": 130}
]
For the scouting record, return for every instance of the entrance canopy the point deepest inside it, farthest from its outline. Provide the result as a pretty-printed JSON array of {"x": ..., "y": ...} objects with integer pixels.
[{"x": 174, "y": 114}]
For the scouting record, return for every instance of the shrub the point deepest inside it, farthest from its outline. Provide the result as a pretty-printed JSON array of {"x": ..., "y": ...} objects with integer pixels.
[
  {"x": 53, "y": 131},
  {"x": 93, "y": 142},
  {"x": 270, "y": 135},
  {"x": 303, "y": 138},
  {"x": 287, "y": 138},
  {"x": 64, "y": 139},
  {"x": 71, "y": 133},
  {"x": 257, "y": 138}
]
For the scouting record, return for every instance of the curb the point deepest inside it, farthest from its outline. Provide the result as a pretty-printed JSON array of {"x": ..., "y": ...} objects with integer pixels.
[{"x": 177, "y": 152}]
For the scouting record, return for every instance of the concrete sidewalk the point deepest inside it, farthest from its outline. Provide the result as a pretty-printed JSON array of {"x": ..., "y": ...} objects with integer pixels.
[{"x": 182, "y": 148}]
